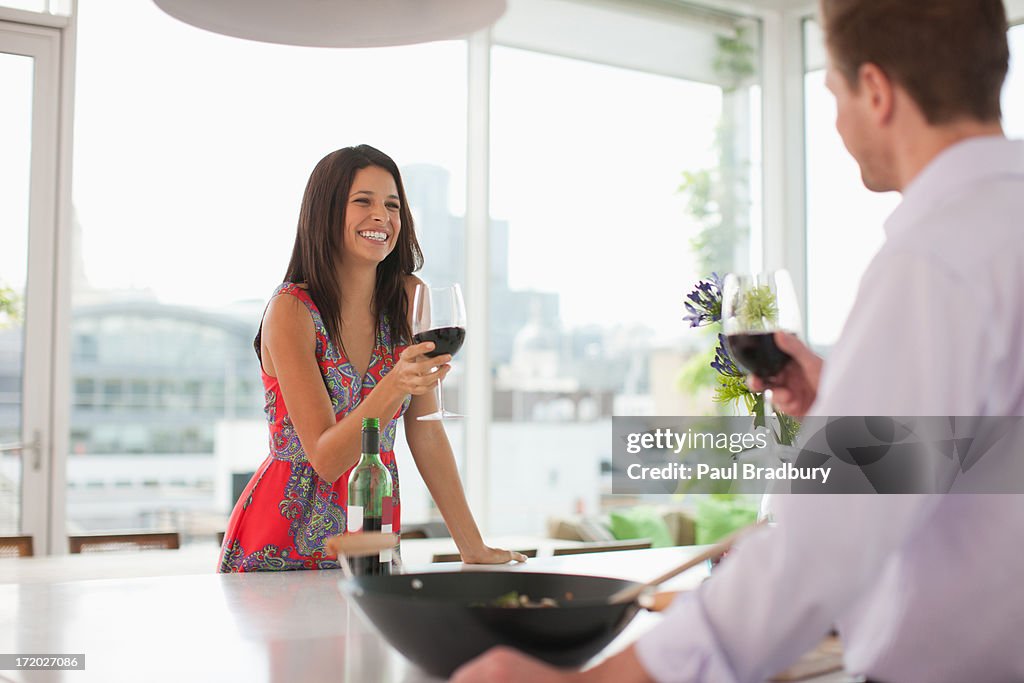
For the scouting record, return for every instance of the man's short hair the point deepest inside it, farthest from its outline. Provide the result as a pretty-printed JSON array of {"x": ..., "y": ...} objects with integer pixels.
[{"x": 951, "y": 56}]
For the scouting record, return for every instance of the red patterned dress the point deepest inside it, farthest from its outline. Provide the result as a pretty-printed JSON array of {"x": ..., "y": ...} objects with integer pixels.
[{"x": 286, "y": 511}]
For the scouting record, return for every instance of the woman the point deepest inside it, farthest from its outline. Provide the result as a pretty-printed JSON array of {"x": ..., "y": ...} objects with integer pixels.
[{"x": 330, "y": 354}]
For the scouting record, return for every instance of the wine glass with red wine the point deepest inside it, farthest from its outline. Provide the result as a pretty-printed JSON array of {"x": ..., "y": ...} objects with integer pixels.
[
  {"x": 754, "y": 307},
  {"x": 439, "y": 316}
]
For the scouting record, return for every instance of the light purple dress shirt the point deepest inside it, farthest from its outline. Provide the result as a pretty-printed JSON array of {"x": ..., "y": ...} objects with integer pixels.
[{"x": 924, "y": 589}]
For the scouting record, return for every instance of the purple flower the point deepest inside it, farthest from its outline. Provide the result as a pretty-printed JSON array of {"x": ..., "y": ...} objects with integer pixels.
[
  {"x": 704, "y": 303},
  {"x": 723, "y": 362}
]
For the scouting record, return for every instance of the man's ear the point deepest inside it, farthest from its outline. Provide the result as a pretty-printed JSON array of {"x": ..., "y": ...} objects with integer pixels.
[{"x": 877, "y": 88}]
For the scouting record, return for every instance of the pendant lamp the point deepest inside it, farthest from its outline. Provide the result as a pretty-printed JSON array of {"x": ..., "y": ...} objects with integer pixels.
[{"x": 338, "y": 23}]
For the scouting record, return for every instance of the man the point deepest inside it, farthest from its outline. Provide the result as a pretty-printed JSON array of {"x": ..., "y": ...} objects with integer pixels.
[{"x": 922, "y": 588}]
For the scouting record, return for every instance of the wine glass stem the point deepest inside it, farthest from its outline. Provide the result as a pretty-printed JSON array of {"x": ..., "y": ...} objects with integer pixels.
[{"x": 440, "y": 398}]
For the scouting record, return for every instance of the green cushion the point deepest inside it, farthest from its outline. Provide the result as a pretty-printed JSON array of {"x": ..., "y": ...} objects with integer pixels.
[
  {"x": 641, "y": 522},
  {"x": 717, "y": 518}
]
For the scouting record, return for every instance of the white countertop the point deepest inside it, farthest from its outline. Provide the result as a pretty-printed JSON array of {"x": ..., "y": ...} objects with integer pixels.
[
  {"x": 202, "y": 559},
  {"x": 259, "y": 627}
]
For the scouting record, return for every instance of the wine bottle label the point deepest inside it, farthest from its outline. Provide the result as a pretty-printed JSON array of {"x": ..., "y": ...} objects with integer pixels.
[
  {"x": 385, "y": 555},
  {"x": 355, "y": 518},
  {"x": 386, "y": 523}
]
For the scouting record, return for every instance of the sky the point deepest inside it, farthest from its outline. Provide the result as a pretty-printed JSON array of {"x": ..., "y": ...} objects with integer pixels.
[{"x": 191, "y": 155}]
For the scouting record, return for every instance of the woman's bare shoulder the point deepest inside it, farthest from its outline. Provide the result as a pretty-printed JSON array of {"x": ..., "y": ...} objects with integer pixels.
[{"x": 288, "y": 317}]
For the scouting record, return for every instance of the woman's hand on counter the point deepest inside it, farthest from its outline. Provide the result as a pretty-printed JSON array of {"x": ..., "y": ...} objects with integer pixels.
[{"x": 488, "y": 555}]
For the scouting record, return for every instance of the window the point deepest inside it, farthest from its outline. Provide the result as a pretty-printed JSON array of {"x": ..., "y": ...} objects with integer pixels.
[
  {"x": 1013, "y": 91},
  {"x": 30, "y": 5},
  {"x": 185, "y": 160},
  {"x": 112, "y": 394},
  {"x": 593, "y": 240},
  {"x": 189, "y": 169},
  {"x": 591, "y": 237},
  {"x": 85, "y": 392}
]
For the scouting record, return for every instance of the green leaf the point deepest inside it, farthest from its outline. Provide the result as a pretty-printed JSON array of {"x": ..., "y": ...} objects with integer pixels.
[
  {"x": 789, "y": 429},
  {"x": 758, "y": 411},
  {"x": 732, "y": 390}
]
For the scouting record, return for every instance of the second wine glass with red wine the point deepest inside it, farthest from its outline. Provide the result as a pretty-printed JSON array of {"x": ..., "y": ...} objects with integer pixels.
[
  {"x": 439, "y": 316},
  {"x": 754, "y": 307}
]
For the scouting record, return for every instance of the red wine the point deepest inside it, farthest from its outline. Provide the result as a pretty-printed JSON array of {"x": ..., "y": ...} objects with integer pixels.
[
  {"x": 757, "y": 353},
  {"x": 371, "y": 565},
  {"x": 446, "y": 340}
]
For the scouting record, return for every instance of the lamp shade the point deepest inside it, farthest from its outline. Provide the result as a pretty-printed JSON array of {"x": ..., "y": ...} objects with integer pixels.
[{"x": 338, "y": 23}]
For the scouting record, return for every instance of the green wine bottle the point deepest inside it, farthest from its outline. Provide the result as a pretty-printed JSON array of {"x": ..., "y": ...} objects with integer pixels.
[{"x": 369, "y": 500}]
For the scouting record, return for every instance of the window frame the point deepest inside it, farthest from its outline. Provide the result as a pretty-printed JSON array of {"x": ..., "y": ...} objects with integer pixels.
[{"x": 46, "y": 386}]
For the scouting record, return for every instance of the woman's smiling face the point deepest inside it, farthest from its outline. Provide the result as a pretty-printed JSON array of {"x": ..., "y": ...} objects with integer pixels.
[{"x": 372, "y": 216}]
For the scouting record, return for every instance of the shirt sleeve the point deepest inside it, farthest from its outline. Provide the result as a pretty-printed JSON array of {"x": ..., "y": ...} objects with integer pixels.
[{"x": 780, "y": 591}]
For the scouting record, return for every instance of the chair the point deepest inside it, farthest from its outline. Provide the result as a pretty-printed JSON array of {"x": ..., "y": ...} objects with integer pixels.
[
  {"x": 115, "y": 541},
  {"x": 16, "y": 546},
  {"x": 634, "y": 544},
  {"x": 425, "y": 530},
  {"x": 413, "y": 533},
  {"x": 455, "y": 557}
]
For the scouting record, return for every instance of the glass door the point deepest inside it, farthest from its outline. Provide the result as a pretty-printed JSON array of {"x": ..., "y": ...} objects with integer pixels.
[{"x": 29, "y": 83}]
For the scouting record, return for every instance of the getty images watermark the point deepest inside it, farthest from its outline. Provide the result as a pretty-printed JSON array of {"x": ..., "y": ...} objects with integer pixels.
[
  {"x": 663, "y": 440},
  {"x": 873, "y": 454}
]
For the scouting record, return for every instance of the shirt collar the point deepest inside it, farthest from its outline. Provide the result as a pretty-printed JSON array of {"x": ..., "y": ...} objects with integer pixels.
[{"x": 965, "y": 163}]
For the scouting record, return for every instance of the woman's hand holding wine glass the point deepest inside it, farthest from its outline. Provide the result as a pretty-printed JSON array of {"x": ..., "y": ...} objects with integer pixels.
[
  {"x": 418, "y": 370},
  {"x": 439, "y": 316}
]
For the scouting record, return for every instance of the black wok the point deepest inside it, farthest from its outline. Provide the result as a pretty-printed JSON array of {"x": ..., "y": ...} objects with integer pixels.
[{"x": 440, "y": 620}]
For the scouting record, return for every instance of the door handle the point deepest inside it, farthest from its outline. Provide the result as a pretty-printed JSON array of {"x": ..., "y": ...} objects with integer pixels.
[{"x": 35, "y": 446}]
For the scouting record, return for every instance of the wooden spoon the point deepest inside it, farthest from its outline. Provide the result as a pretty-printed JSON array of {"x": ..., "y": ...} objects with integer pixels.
[{"x": 631, "y": 593}]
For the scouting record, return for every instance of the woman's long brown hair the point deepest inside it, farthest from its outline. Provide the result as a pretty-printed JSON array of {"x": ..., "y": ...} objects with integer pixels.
[{"x": 320, "y": 233}]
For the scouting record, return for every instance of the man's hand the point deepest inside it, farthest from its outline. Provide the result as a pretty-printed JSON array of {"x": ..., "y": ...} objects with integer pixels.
[
  {"x": 795, "y": 388},
  {"x": 505, "y": 665}
]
